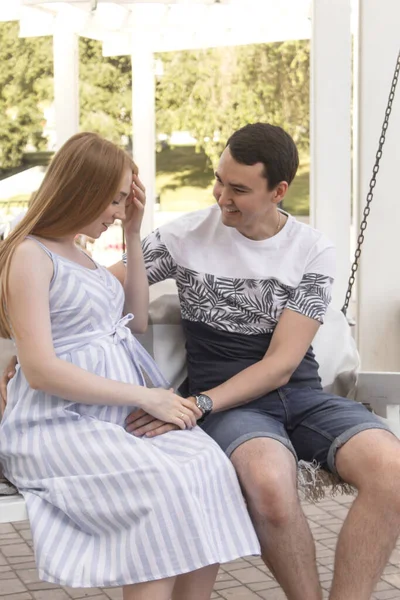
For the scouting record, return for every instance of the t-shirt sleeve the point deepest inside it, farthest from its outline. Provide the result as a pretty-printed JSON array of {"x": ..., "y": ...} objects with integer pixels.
[
  {"x": 314, "y": 293},
  {"x": 157, "y": 258}
]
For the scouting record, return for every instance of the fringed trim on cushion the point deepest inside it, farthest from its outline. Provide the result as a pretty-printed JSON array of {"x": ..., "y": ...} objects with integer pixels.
[
  {"x": 314, "y": 482},
  {"x": 6, "y": 488}
]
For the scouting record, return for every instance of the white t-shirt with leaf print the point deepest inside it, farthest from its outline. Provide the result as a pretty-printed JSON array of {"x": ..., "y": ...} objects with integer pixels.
[{"x": 236, "y": 284}]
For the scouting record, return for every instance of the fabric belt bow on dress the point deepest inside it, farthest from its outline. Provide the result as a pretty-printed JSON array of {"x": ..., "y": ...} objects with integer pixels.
[{"x": 119, "y": 334}]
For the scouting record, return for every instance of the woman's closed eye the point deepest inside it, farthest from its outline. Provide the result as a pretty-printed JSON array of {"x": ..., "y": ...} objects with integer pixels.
[{"x": 117, "y": 201}]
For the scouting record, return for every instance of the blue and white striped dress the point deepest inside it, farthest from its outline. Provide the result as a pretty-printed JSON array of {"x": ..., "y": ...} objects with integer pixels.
[{"x": 107, "y": 508}]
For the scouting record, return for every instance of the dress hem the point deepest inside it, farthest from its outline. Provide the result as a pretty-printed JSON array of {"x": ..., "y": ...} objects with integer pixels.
[{"x": 80, "y": 584}]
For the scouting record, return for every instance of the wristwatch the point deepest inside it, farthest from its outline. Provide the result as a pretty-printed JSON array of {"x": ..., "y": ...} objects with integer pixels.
[{"x": 205, "y": 404}]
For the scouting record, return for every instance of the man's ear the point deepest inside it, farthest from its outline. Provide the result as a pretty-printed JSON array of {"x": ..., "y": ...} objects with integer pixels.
[{"x": 280, "y": 192}]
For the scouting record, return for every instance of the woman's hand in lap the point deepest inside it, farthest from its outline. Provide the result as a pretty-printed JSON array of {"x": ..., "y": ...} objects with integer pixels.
[{"x": 163, "y": 407}]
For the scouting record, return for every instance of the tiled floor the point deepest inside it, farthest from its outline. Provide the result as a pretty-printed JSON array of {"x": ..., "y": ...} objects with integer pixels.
[{"x": 240, "y": 580}]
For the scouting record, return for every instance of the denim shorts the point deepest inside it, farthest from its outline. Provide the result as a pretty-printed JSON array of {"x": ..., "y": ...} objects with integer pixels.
[{"x": 311, "y": 423}]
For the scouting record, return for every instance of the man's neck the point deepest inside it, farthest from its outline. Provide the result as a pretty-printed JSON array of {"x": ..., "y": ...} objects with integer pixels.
[{"x": 263, "y": 231}]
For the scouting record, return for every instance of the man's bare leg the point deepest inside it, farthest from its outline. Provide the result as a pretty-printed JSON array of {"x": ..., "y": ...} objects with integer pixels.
[
  {"x": 267, "y": 473},
  {"x": 371, "y": 462}
]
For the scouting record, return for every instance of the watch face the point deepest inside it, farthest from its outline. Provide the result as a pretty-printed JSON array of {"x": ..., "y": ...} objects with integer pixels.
[{"x": 204, "y": 403}]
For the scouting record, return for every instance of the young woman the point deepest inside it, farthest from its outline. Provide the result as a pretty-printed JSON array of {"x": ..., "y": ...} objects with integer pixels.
[{"x": 106, "y": 508}]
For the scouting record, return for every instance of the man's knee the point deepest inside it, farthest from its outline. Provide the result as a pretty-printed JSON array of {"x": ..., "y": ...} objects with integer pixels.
[
  {"x": 371, "y": 462},
  {"x": 268, "y": 473}
]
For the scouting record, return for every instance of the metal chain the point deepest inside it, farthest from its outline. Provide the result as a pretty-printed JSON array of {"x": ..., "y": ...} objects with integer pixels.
[{"x": 372, "y": 184}]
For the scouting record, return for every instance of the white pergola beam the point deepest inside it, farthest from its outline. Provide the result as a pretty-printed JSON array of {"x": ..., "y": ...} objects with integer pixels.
[
  {"x": 330, "y": 131},
  {"x": 9, "y": 12},
  {"x": 119, "y": 44},
  {"x": 169, "y": 26},
  {"x": 36, "y": 22},
  {"x": 93, "y": 3}
]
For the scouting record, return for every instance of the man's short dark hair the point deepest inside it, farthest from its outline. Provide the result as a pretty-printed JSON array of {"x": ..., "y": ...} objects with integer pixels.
[{"x": 267, "y": 144}]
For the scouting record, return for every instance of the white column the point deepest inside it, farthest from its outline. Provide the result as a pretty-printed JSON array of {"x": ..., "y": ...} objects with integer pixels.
[
  {"x": 143, "y": 117},
  {"x": 66, "y": 80},
  {"x": 378, "y": 43},
  {"x": 330, "y": 131}
]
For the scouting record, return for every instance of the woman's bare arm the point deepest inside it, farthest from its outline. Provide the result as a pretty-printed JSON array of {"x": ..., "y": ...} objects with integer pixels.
[{"x": 28, "y": 306}]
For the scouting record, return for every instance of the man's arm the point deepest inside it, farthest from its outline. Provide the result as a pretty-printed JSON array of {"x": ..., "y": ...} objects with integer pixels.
[
  {"x": 293, "y": 335},
  {"x": 158, "y": 261},
  {"x": 8, "y": 374},
  {"x": 291, "y": 339}
]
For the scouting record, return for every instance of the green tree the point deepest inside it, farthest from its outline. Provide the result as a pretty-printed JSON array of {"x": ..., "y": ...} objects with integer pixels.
[
  {"x": 209, "y": 92},
  {"x": 25, "y": 83},
  {"x": 26, "y": 86},
  {"x": 212, "y": 92},
  {"x": 105, "y": 92}
]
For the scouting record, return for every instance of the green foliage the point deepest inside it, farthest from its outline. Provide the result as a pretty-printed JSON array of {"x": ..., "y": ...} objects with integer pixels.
[
  {"x": 26, "y": 87},
  {"x": 209, "y": 93},
  {"x": 25, "y": 83},
  {"x": 213, "y": 92},
  {"x": 105, "y": 92}
]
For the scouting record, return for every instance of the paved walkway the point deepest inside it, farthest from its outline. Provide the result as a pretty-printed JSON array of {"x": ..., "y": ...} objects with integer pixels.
[{"x": 240, "y": 580}]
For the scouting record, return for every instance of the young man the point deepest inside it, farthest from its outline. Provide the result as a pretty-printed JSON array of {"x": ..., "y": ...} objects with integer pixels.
[{"x": 254, "y": 285}]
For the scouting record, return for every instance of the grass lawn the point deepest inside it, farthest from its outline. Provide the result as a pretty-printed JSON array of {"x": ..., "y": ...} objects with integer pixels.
[
  {"x": 185, "y": 179},
  {"x": 184, "y": 182},
  {"x": 297, "y": 201}
]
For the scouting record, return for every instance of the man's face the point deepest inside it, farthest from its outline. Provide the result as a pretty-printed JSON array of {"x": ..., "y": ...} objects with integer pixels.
[{"x": 242, "y": 195}]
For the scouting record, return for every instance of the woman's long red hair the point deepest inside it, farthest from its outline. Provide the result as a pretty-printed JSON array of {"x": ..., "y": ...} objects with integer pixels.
[{"x": 82, "y": 180}]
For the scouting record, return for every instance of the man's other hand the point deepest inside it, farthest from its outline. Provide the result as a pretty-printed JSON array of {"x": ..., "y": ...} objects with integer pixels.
[
  {"x": 8, "y": 374},
  {"x": 140, "y": 423}
]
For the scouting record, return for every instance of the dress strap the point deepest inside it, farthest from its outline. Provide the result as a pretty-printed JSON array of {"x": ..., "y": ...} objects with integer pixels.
[{"x": 48, "y": 252}]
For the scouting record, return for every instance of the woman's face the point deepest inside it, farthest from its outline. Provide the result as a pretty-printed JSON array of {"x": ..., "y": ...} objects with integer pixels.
[{"x": 115, "y": 210}]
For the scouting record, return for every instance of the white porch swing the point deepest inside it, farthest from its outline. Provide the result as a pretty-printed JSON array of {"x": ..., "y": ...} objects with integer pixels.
[{"x": 334, "y": 347}]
